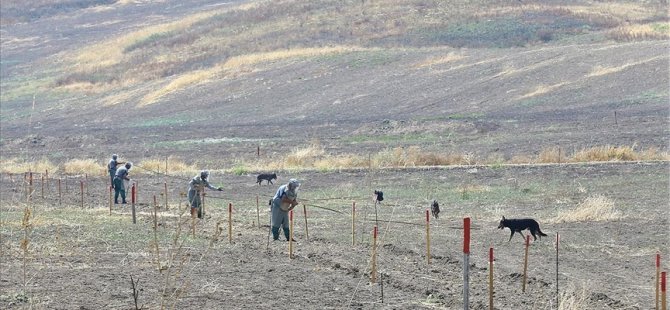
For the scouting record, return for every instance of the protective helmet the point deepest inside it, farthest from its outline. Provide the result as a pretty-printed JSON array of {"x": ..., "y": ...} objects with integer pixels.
[
  {"x": 204, "y": 174},
  {"x": 114, "y": 156},
  {"x": 128, "y": 165},
  {"x": 293, "y": 183}
]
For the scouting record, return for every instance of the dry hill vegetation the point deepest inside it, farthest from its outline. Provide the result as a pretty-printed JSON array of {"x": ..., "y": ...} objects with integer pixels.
[{"x": 443, "y": 79}]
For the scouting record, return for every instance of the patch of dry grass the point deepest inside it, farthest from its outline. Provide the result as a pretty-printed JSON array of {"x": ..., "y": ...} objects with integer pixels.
[
  {"x": 174, "y": 165},
  {"x": 574, "y": 298},
  {"x": 14, "y": 165},
  {"x": 606, "y": 153},
  {"x": 592, "y": 209},
  {"x": 84, "y": 166}
]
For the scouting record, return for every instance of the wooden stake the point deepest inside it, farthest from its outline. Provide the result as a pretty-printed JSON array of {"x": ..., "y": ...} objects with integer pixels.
[
  {"x": 304, "y": 212},
  {"x": 557, "y": 245},
  {"x": 30, "y": 186},
  {"x": 658, "y": 277},
  {"x": 60, "y": 193},
  {"x": 664, "y": 303},
  {"x": 258, "y": 213},
  {"x": 373, "y": 270},
  {"x": 81, "y": 187},
  {"x": 427, "y": 236},
  {"x": 466, "y": 263},
  {"x": 353, "y": 224},
  {"x": 290, "y": 235},
  {"x": 46, "y": 178},
  {"x": 166, "y": 191},
  {"x": 133, "y": 198},
  {"x": 490, "y": 278},
  {"x": 155, "y": 214},
  {"x": 230, "y": 222},
  {"x": 525, "y": 264}
]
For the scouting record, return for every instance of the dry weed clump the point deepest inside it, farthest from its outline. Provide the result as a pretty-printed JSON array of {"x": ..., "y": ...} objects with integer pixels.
[
  {"x": 14, "y": 165},
  {"x": 594, "y": 208},
  {"x": 305, "y": 157},
  {"x": 84, "y": 166},
  {"x": 606, "y": 153},
  {"x": 174, "y": 165},
  {"x": 637, "y": 32}
]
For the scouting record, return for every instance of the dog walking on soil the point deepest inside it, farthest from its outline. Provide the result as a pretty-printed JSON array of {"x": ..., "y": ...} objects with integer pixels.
[
  {"x": 267, "y": 177},
  {"x": 517, "y": 225}
]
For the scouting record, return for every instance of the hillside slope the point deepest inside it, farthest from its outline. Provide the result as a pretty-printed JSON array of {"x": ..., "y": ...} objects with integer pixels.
[{"x": 488, "y": 78}]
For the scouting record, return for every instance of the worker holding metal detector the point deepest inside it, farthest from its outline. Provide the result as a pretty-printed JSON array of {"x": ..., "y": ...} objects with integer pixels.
[
  {"x": 284, "y": 201},
  {"x": 195, "y": 189}
]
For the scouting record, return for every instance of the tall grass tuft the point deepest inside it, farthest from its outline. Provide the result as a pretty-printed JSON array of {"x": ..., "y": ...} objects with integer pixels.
[
  {"x": 15, "y": 165},
  {"x": 84, "y": 166},
  {"x": 174, "y": 165},
  {"x": 594, "y": 208},
  {"x": 606, "y": 153}
]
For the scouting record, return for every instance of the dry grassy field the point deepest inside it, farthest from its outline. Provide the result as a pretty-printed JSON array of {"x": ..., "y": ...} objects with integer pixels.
[{"x": 555, "y": 110}]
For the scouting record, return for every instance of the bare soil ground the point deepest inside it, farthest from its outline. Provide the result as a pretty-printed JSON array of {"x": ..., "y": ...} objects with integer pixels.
[{"x": 84, "y": 258}]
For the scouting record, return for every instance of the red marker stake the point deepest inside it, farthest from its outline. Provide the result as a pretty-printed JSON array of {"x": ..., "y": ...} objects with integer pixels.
[
  {"x": 466, "y": 263},
  {"x": 658, "y": 276},
  {"x": 491, "y": 278}
]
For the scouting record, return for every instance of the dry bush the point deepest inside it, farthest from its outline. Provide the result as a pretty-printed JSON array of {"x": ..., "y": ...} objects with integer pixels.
[
  {"x": 594, "y": 208},
  {"x": 638, "y": 32},
  {"x": 14, "y": 165},
  {"x": 173, "y": 165},
  {"x": 652, "y": 153},
  {"x": 305, "y": 157},
  {"x": 605, "y": 153},
  {"x": 84, "y": 166},
  {"x": 550, "y": 155}
]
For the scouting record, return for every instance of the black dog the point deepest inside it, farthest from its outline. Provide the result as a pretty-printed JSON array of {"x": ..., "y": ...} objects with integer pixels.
[
  {"x": 266, "y": 176},
  {"x": 435, "y": 209},
  {"x": 517, "y": 225}
]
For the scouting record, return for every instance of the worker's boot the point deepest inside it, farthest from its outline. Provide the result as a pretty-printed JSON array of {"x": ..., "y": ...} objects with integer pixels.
[
  {"x": 275, "y": 233},
  {"x": 287, "y": 234}
]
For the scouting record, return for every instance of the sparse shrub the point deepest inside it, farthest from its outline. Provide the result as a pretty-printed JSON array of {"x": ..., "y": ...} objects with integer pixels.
[
  {"x": 240, "y": 169},
  {"x": 305, "y": 157},
  {"x": 84, "y": 166},
  {"x": 594, "y": 208},
  {"x": 549, "y": 155},
  {"x": 605, "y": 153},
  {"x": 174, "y": 165},
  {"x": 14, "y": 165}
]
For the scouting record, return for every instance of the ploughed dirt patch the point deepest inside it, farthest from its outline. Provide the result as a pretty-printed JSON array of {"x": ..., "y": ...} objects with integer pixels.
[{"x": 84, "y": 258}]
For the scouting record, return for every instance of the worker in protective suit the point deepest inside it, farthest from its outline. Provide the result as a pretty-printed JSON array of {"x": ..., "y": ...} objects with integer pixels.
[
  {"x": 119, "y": 188},
  {"x": 284, "y": 201},
  {"x": 112, "y": 166},
  {"x": 196, "y": 187}
]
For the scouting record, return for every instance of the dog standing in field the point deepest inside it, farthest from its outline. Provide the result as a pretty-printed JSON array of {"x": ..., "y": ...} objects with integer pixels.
[
  {"x": 267, "y": 177},
  {"x": 517, "y": 225},
  {"x": 435, "y": 209}
]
